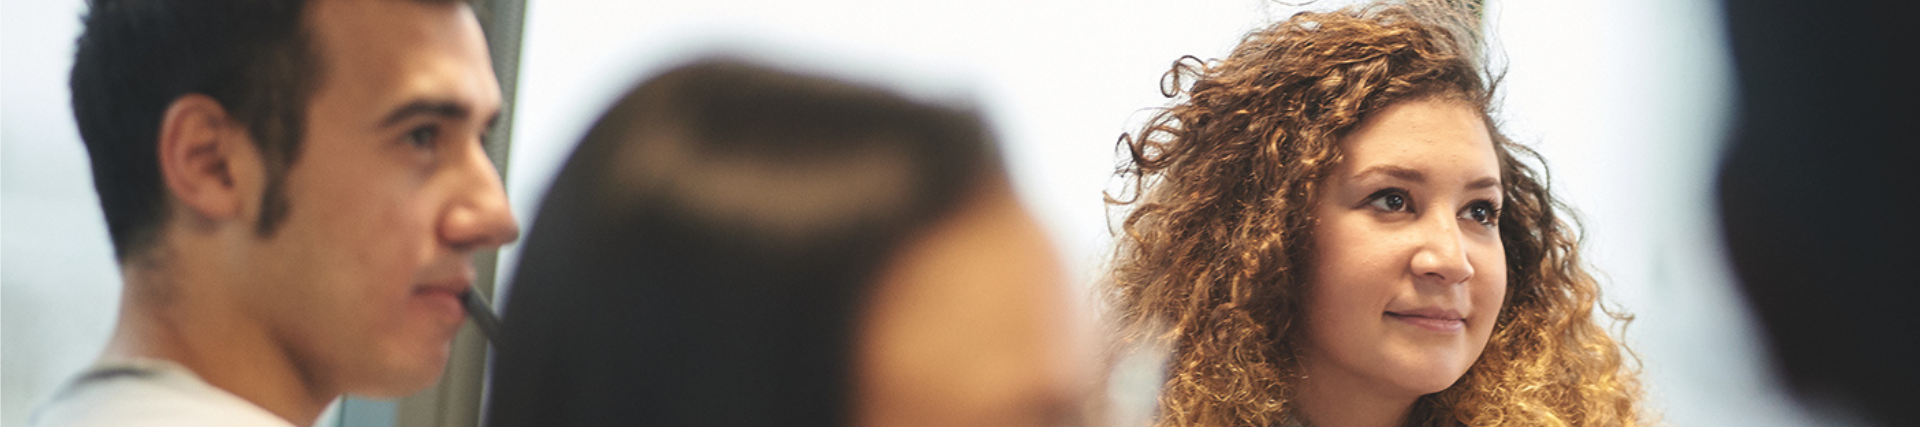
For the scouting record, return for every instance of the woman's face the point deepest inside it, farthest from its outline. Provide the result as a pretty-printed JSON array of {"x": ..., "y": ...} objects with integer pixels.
[{"x": 1408, "y": 273}]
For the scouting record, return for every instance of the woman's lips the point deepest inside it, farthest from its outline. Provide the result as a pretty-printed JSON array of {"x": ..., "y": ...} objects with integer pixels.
[{"x": 1435, "y": 320}]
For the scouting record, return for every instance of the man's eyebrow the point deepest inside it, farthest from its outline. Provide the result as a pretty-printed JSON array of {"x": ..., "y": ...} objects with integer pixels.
[{"x": 443, "y": 109}]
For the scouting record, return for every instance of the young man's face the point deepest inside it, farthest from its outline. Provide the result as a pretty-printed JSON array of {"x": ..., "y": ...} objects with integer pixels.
[{"x": 389, "y": 197}]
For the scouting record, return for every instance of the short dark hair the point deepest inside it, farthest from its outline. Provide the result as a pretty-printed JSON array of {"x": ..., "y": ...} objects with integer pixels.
[
  {"x": 704, "y": 256},
  {"x": 137, "y": 56}
]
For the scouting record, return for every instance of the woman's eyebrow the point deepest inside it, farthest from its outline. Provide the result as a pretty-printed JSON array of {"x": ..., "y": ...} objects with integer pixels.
[
  {"x": 1484, "y": 182},
  {"x": 1415, "y": 176},
  {"x": 1395, "y": 171}
]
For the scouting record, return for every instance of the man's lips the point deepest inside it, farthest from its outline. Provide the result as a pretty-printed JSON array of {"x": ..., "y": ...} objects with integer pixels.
[
  {"x": 449, "y": 289},
  {"x": 444, "y": 298},
  {"x": 454, "y": 283},
  {"x": 1431, "y": 318}
]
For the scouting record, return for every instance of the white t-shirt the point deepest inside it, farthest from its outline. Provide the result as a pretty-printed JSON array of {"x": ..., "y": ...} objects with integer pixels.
[{"x": 148, "y": 393}]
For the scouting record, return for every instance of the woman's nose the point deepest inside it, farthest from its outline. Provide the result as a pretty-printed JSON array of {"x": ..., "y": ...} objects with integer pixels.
[{"x": 1442, "y": 257}]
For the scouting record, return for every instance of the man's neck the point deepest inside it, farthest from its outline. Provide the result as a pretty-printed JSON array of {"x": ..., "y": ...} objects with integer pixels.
[{"x": 170, "y": 314}]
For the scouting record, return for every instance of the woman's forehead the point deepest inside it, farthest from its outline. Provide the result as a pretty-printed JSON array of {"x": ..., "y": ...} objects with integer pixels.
[{"x": 1420, "y": 141}]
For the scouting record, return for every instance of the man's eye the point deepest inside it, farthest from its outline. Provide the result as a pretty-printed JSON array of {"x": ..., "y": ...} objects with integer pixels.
[
  {"x": 423, "y": 136},
  {"x": 1390, "y": 201},
  {"x": 1483, "y": 213}
]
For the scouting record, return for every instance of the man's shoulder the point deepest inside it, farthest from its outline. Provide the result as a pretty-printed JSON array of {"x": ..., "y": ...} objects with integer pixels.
[{"x": 147, "y": 396}]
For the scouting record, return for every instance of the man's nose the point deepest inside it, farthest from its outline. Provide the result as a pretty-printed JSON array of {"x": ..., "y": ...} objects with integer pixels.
[{"x": 478, "y": 216}]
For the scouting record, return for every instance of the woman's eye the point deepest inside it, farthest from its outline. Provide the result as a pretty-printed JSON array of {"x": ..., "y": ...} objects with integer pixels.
[
  {"x": 1390, "y": 201},
  {"x": 1483, "y": 213},
  {"x": 423, "y": 136}
]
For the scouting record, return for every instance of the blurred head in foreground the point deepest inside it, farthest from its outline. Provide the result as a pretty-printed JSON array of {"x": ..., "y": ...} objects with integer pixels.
[
  {"x": 1816, "y": 197},
  {"x": 1328, "y": 228},
  {"x": 738, "y": 245}
]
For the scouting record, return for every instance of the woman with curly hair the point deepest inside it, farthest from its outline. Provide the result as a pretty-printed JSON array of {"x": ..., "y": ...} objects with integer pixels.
[{"x": 1327, "y": 228}]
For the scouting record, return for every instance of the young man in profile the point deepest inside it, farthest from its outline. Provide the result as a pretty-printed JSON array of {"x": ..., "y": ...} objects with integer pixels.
[{"x": 294, "y": 190}]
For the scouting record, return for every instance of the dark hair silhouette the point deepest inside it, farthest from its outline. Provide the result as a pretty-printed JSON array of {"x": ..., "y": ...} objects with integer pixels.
[
  {"x": 1816, "y": 196},
  {"x": 704, "y": 255}
]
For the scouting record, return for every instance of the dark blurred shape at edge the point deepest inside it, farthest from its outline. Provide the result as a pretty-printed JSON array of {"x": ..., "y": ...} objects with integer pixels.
[{"x": 1817, "y": 196}]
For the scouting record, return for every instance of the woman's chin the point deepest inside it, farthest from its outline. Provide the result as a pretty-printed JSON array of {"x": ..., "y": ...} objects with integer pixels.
[{"x": 1428, "y": 379}]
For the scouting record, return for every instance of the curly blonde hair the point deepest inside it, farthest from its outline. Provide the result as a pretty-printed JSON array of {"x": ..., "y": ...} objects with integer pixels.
[{"x": 1221, "y": 189}]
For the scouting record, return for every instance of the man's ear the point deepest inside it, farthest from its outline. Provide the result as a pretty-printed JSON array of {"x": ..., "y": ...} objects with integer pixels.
[{"x": 207, "y": 159}]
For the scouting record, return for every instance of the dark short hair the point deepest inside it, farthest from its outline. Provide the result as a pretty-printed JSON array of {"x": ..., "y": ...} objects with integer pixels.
[
  {"x": 704, "y": 256},
  {"x": 137, "y": 56}
]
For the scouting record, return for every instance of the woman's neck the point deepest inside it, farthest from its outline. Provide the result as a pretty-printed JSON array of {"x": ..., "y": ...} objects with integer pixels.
[{"x": 1328, "y": 399}]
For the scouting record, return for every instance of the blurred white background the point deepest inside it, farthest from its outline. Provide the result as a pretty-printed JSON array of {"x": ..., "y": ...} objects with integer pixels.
[{"x": 1627, "y": 99}]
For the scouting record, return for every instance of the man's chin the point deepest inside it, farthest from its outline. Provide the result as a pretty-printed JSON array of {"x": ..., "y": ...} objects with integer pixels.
[{"x": 404, "y": 379}]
